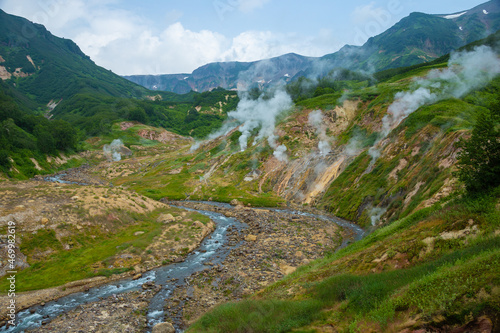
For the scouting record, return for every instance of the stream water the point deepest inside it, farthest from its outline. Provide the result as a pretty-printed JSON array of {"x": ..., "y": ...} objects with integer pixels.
[{"x": 214, "y": 249}]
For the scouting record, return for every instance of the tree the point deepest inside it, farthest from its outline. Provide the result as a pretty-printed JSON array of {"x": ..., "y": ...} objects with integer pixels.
[
  {"x": 4, "y": 159},
  {"x": 45, "y": 141},
  {"x": 139, "y": 115},
  {"x": 479, "y": 160}
]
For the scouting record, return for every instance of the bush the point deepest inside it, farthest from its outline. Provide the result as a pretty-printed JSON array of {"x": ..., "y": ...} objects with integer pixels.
[{"x": 479, "y": 161}]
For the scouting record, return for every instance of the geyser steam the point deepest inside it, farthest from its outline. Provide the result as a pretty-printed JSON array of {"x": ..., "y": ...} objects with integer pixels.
[
  {"x": 466, "y": 71},
  {"x": 261, "y": 113},
  {"x": 112, "y": 151},
  {"x": 316, "y": 120}
]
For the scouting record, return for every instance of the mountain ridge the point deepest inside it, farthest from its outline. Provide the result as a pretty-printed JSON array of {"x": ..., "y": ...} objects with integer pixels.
[{"x": 410, "y": 41}]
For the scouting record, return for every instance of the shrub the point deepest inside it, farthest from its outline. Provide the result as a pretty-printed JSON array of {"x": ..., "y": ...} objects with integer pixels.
[{"x": 479, "y": 161}]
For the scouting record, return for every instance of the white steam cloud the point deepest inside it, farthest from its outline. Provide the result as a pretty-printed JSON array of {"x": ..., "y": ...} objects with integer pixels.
[
  {"x": 316, "y": 120},
  {"x": 280, "y": 153},
  {"x": 226, "y": 128},
  {"x": 261, "y": 113},
  {"x": 112, "y": 151},
  {"x": 375, "y": 214},
  {"x": 466, "y": 71}
]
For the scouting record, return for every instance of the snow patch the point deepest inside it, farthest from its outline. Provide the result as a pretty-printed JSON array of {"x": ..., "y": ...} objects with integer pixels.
[{"x": 454, "y": 16}]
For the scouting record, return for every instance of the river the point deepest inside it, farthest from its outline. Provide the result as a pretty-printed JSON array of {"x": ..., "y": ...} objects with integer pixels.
[{"x": 214, "y": 249}]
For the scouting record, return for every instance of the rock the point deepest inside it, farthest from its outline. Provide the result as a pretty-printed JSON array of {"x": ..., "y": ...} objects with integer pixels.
[
  {"x": 138, "y": 233},
  {"x": 163, "y": 328},
  {"x": 251, "y": 238},
  {"x": 166, "y": 218},
  {"x": 75, "y": 197},
  {"x": 44, "y": 220},
  {"x": 148, "y": 285},
  {"x": 235, "y": 202},
  {"x": 198, "y": 224},
  {"x": 285, "y": 269},
  {"x": 137, "y": 276}
]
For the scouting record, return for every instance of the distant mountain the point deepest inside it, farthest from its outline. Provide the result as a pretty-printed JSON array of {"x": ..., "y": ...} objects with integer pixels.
[
  {"x": 415, "y": 39},
  {"x": 48, "y": 68},
  {"x": 228, "y": 75}
]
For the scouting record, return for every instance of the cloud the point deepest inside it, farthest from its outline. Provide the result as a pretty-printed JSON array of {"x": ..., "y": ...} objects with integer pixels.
[
  {"x": 126, "y": 43},
  {"x": 134, "y": 50},
  {"x": 247, "y": 6},
  {"x": 366, "y": 13}
]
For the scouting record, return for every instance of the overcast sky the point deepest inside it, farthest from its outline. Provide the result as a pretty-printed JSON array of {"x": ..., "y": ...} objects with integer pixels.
[{"x": 177, "y": 36}]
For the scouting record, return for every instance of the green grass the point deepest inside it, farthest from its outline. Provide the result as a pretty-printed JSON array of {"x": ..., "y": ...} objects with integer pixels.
[
  {"x": 345, "y": 292},
  {"x": 75, "y": 264},
  {"x": 258, "y": 316},
  {"x": 430, "y": 288}
]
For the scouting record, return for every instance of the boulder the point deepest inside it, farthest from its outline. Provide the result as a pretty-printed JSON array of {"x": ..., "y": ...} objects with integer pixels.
[
  {"x": 166, "y": 218},
  {"x": 251, "y": 238},
  {"x": 235, "y": 202},
  {"x": 163, "y": 328}
]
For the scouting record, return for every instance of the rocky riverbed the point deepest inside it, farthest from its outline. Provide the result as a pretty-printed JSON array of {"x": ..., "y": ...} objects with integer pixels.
[
  {"x": 274, "y": 245},
  {"x": 123, "y": 313}
]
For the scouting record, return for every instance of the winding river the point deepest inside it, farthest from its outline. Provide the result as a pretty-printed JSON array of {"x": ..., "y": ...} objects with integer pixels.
[{"x": 213, "y": 249}]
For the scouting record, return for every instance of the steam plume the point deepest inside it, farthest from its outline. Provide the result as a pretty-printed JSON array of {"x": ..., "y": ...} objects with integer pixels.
[
  {"x": 376, "y": 213},
  {"x": 261, "y": 113},
  {"x": 112, "y": 151},
  {"x": 466, "y": 71},
  {"x": 316, "y": 120}
]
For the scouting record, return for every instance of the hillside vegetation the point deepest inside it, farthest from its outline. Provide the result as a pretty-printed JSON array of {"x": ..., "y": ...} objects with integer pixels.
[
  {"x": 431, "y": 259},
  {"x": 53, "y": 97},
  {"x": 409, "y": 154}
]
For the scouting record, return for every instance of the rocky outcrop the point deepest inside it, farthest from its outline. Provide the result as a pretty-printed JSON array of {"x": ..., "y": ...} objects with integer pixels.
[{"x": 163, "y": 328}]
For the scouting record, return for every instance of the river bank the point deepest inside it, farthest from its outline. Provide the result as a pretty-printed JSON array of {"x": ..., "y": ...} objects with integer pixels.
[{"x": 273, "y": 244}]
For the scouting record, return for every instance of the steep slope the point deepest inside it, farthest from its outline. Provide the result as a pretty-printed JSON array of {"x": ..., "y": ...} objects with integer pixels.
[
  {"x": 477, "y": 22},
  {"x": 421, "y": 37},
  {"x": 415, "y": 39},
  {"x": 431, "y": 261},
  {"x": 48, "y": 68},
  {"x": 53, "y": 96}
]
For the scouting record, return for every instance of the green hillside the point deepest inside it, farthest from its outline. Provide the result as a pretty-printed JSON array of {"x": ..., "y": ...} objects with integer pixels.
[
  {"x": 413, "y": 157},
  {"x": 58, "y": 69},
  {"x": 46, "y": 77}
]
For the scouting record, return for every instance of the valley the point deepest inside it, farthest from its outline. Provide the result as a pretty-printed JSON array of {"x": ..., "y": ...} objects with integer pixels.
[{"x": 347, "y": 201}]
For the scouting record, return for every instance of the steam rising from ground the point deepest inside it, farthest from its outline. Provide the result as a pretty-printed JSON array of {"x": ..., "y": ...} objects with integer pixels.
[
  {"x": 466, "y": 71},
  {"x": 261, "y": 113},
  {"x": 316, "y": 120},
  {"x": 112, "y": 151},
  {"x": 375, "y": 214}
]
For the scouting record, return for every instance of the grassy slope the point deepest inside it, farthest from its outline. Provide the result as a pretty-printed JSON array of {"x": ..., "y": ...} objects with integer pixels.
[
  {"x": 90, "y": 232},
  {"x": 389, "y": 281},
  {"x": 432, "y": 267}
]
